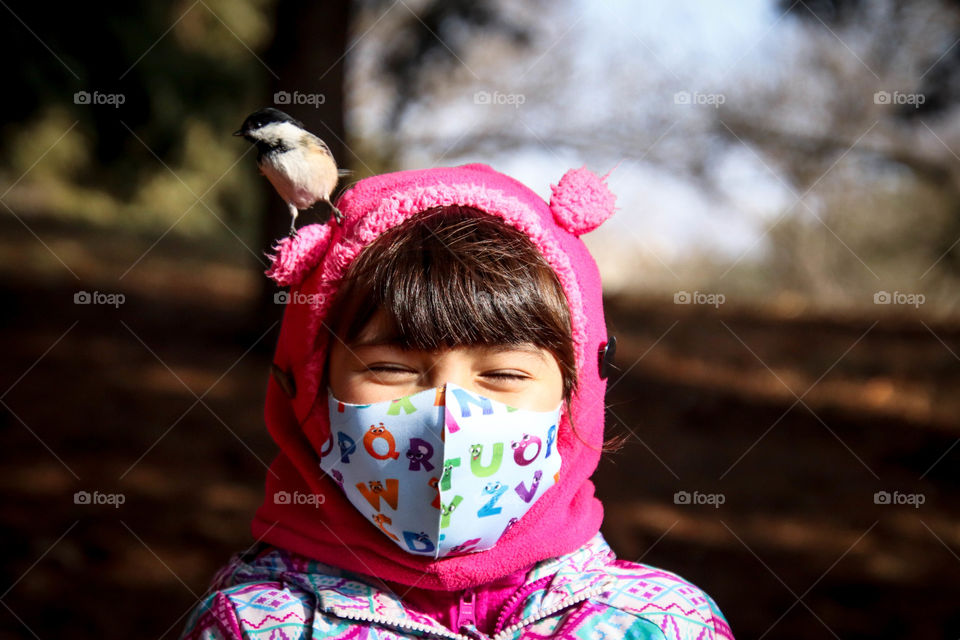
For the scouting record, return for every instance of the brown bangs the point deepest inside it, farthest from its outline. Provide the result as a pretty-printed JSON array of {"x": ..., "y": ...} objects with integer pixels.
[{"x": 457, "y": 276}]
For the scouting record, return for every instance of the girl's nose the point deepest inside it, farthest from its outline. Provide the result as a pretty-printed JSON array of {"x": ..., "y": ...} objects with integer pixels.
[{"x": 450, "y": 368}]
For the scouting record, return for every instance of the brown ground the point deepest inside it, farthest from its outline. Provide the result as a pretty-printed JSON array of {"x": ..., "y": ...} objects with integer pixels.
[{"x": 93, "y": 406}]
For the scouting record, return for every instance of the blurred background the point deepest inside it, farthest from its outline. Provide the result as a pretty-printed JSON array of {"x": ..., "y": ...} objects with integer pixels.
[{"x": 782, "y": 276}]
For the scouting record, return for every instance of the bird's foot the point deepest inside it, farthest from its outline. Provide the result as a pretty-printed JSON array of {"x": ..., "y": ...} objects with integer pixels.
[
  {"x": 293, "y": 219},
  {"x": 294, "y": 212},
  {"x": 338, "y": 215}
]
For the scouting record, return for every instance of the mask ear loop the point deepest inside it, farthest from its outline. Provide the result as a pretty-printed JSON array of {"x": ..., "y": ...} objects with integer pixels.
[{"x": 316, "y": 426}]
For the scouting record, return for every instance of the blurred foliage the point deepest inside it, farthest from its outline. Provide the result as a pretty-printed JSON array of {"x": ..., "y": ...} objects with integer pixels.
[
  {"x": 877, "y": 182},
  {"x": 941, "y": 86},
  {"x": 189, "y": 72},
  {"x": 878, "y": 187},
  {"x": 433, "y": 41},
  {"x": 187, "y": 75},
  {"x": 420, "y": 47}
]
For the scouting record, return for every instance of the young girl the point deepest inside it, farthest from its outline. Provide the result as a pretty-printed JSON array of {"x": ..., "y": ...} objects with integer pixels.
[{"x": 438, "y": 399}]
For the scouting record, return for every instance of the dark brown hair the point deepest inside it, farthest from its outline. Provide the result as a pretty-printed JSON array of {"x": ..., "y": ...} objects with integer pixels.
[{"x": 457, "y": 276}]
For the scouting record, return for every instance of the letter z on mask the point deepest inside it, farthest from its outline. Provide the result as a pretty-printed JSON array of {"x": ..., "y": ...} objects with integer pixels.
[{"x": 443, "y": 471}]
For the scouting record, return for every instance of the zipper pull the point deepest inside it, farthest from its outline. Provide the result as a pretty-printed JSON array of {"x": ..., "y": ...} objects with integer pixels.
[{"x": 467, "y": 614}]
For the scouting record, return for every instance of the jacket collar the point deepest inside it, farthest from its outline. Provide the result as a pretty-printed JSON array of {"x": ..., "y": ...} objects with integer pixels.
[
  {"x": 573, "y": 574},
  {"x": 354, "y": 596}
]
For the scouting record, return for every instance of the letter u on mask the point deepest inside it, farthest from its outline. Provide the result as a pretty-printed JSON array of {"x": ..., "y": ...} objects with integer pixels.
[{"x": 443, "y": 471}]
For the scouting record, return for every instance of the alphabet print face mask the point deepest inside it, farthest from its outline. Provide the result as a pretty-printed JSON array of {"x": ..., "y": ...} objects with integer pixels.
[{"x": 443, "y": 471}]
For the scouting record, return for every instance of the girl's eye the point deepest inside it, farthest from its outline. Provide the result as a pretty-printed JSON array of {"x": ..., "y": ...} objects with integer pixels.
[
  {"x": 505, "y": 376},
  {"x": 380, "y": 370}
]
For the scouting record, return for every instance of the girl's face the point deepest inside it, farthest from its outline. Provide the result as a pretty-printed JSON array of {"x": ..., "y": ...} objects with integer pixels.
[{"x": 373, "y": 370}]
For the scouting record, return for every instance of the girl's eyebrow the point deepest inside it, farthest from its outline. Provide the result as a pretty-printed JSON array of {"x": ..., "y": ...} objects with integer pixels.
[
  {"x": 525, "y": 347},
  {"x": 377, "y": 341}
]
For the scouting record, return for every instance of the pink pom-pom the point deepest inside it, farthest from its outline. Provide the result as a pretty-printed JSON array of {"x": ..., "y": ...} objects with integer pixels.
[
  {"x": 581, "y": 201},
  {"x": 296, "y": 257}
]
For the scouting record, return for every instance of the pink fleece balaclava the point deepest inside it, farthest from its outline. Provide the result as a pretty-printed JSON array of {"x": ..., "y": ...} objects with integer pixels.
[{"x": 331, "y": 530}]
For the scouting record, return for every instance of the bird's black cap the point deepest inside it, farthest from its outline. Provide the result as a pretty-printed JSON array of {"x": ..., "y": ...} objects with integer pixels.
[{"x": 264, "y": 117}]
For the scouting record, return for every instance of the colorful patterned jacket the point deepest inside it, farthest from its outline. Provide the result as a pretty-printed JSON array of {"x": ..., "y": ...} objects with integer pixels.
[{"x": 589, "y": 593}]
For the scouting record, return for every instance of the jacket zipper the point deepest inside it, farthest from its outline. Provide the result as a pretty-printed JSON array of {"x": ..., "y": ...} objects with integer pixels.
[
  {"x": 414, "y": 626},
  {"x": 411, "y": 626},
  {"x": 466, "y": 614},
  {"x": 589, "y": 593},
  {"x": 524, "y": 591}
]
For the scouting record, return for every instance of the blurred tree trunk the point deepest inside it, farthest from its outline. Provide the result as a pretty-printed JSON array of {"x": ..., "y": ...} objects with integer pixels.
[{"x": 307, "y": 56}]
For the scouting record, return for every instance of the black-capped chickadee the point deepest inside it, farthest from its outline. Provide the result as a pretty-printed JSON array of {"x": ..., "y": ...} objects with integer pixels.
[{"x": 297, "y": 163}]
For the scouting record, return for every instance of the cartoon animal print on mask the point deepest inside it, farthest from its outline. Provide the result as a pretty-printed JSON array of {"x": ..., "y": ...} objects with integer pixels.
[
  {"x": 418, "y": 542},
  {"x": 435, "y": 483},
  {"x": 445, "y": 479},
  {"x": 520, "y": 449},
  {"x": 419, "y": 454},
  {"x": 446, "y": 510},
  {"x": 381, "y": 520},
  {"x": 348, "y": 446},
  {"x": 435, "y": 469},
  {"x": 527, "y": 494},
  {"x": 495, "y": 490},
  {"x": 380, "y": 433},
  {"x": 476, "y": 465},
  {"x": 464, "y": 547},
  {"x": 374, "y": 490},
  {"x": 327, "y": 446}
]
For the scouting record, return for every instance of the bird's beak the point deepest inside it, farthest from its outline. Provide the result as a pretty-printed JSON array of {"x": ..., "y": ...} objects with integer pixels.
[{"x": 238, "y": 132}]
